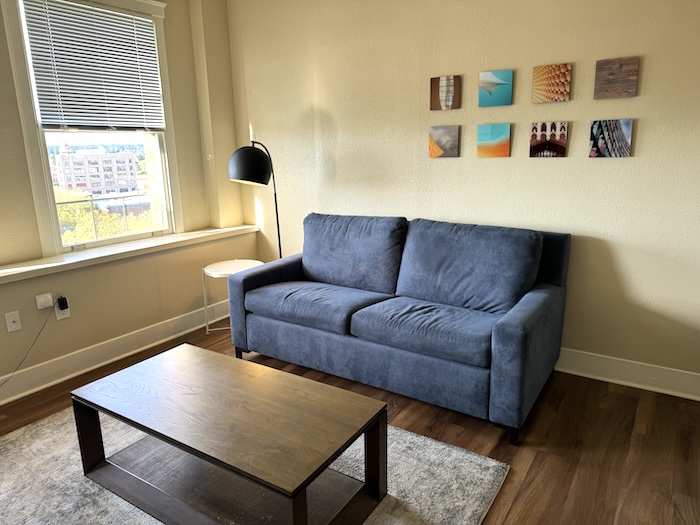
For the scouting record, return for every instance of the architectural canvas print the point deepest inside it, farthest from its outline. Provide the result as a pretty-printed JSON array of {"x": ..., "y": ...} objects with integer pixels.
[
  {"x": 446, "y": 92},
  {"x": 496, "y": 88},
  {"x": 548, "y": 139},
  {"x": 551, "y": 83},
  {"x": 443, "y": 141},
  {"x": 611, "y": 138},
  {"x": 493, "y": 140},
  {"x": 616, "y": 78}
]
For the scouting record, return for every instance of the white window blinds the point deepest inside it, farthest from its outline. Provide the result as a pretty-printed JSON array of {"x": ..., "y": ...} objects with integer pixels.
[{"x": 94, "y": 68}]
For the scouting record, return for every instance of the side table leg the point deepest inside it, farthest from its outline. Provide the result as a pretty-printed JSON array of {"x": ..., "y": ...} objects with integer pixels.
[
  {"x": 299, "y": 516},
  {"x": 206, "y": 306},
  {"x": 87, "y": 422},
  {"x": 376, "y": 457}
]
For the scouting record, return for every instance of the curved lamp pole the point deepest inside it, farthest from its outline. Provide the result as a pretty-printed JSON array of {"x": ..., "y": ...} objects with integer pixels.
[{"x": 252, "y": 165}]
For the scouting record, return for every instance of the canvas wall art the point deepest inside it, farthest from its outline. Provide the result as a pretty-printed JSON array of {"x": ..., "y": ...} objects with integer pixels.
[
  {"x": 443, "y": 141},
  {"x": 616, "y": 78},
  {"x": 551, "y": 83},
  {"x": 611, "y": 138},
  {"x": 446, "y": 92},
  {"x": 493, "y": 140},
  {"x": 496, "y": 88},
  {"x": 548, "y": 139}
]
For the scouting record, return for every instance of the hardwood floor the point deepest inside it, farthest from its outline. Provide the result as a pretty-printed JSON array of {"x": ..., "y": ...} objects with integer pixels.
[{"x": 592, "y": 452}]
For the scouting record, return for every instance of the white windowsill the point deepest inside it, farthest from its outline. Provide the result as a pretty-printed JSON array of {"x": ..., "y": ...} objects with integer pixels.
[{"x": 93, "y": 256}]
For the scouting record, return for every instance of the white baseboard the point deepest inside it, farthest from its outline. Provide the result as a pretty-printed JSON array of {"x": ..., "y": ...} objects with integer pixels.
[
  {"x": 630, "y": 373},
  {"x": 41, "y": 376}
]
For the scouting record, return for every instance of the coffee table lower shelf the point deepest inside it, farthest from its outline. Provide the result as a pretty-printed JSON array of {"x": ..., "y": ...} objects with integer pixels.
[{"x": 177, "y": 487}]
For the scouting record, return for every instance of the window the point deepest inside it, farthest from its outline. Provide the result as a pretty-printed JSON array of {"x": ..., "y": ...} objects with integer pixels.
[{"x": 98, "y": 102}]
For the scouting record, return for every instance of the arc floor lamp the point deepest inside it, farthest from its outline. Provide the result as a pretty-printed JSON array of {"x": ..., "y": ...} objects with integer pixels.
[{"x": 253, "y": 165}]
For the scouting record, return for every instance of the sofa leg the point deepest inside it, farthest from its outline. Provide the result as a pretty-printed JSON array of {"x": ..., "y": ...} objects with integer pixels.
[
  {"x": 239, "y": 353},
  {"x": 513, "y": 434}
]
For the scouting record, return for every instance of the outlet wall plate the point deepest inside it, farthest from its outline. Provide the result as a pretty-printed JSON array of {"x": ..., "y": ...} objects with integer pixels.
[
  {"x": 62, "y": 314},
  {"x": 13, "y": 321}
]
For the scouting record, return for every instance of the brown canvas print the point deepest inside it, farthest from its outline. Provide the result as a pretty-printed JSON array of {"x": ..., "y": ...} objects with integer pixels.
[
  {"x": 616, "y": 78},
  {"x": 446, "y": 92},
  {"x": 548, "y": 139}
]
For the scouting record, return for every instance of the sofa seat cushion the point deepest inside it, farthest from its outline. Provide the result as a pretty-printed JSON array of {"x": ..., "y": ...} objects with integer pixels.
[
  {"x": 354, "y": 251},
  {"x": 318, "y": 305},
  {"x": 484, "y": 268},
  {"x": 448, "y": 332}
]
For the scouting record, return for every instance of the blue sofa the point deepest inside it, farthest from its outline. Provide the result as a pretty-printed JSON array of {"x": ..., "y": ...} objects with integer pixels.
[{"x": 462, "y": 316}]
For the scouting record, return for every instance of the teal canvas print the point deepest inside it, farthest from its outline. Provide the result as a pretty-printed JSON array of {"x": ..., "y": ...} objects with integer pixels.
[
  {"x": 493, "y": 140},
  {"x": 496, "y": 88}
]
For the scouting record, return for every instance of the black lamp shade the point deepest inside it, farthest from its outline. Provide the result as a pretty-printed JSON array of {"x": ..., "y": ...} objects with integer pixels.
[{"x": 250, "y": 165}]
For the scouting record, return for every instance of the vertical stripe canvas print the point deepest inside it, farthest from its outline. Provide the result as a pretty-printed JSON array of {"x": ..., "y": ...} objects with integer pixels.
[{"x": 446, "y": 92}]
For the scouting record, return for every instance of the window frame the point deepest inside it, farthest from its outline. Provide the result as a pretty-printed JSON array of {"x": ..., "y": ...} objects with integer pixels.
[{"x": 33, "y": 133}]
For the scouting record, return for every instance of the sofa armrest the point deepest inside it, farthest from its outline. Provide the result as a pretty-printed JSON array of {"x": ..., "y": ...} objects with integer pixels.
[
  {"x": 281, "y": 270},
  {"x": 525, "y": 347}
]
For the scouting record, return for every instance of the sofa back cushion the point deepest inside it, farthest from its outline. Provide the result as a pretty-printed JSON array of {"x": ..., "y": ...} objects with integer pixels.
[
  {"x": 352, "y": 251},
  {"x": 485, "y": 268}
]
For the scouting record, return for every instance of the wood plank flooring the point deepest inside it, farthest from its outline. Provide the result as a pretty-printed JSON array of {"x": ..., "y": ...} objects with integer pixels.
[{"x": 592, "y": 452}]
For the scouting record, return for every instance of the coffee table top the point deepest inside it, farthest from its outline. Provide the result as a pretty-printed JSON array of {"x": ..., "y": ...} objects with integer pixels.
[{"x": 276, "y": 428}]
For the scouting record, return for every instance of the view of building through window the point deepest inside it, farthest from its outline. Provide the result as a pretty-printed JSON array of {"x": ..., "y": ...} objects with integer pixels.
[{"x": 106, "y": 184}]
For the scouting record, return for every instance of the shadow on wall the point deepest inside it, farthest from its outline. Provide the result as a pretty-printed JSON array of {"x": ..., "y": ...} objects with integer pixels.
[
  {"x": 321, "y": 149},
  {"x": 337, "y": 162},
  {"x": 602, "y": 318}
]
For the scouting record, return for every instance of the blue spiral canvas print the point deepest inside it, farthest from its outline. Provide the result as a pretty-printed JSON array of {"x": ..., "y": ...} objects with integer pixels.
[{"x": 496, "y": 88}]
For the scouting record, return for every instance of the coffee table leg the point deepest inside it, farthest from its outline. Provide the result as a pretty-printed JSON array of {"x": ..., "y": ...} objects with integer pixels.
[
  {"x": 87, "y": 421},
  {"x": 375, "y": 457},
  {"x": 299, "y": 516}
]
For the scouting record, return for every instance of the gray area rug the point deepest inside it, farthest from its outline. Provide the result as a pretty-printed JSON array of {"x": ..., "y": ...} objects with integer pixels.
[{"x": 41, "y": 479}]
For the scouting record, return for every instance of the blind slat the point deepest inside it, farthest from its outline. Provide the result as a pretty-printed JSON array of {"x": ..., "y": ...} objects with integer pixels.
[{"x": 94, "y": 68}]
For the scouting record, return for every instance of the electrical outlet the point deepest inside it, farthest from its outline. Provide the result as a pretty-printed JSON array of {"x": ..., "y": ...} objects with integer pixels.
[
  {"x": 13, "y": 321},
  {"x": 65, "y": 313}
]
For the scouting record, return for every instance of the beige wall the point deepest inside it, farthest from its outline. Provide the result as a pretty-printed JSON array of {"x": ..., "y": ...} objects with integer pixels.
[
  {"x": 338, "y": 91},
  {"x": 130, "y": 295},
  {"x": 112, "y": 299},
  {"x": 19, "y": 234}
]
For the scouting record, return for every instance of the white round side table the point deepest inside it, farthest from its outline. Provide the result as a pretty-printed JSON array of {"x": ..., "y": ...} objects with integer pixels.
[{"x": 222, "y": 269}]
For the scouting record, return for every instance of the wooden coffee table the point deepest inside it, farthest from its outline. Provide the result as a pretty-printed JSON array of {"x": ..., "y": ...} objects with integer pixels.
[{"x": 231, "y": 441}]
